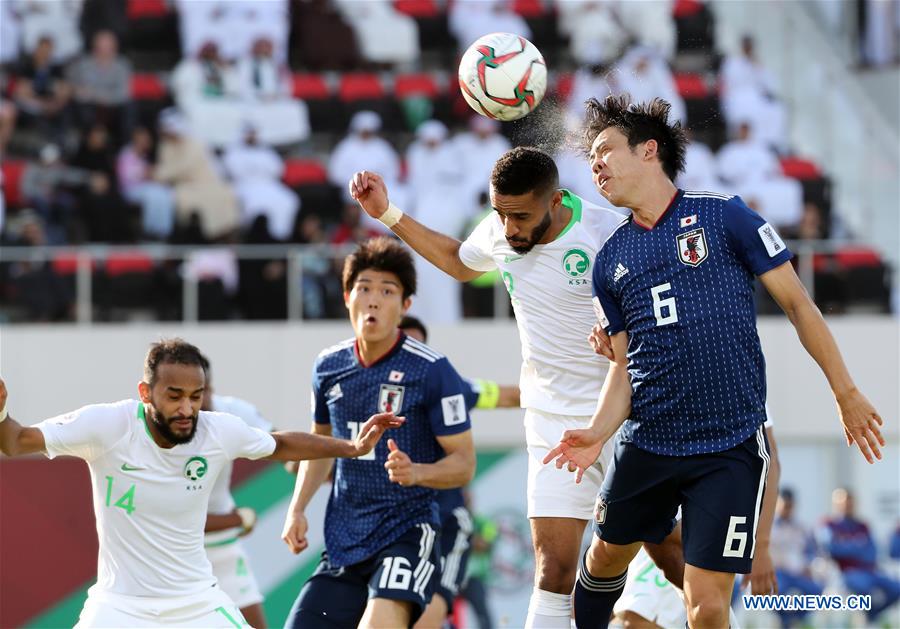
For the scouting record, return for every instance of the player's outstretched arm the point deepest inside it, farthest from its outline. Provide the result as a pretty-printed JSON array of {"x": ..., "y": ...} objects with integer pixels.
[
  {"x": 298, "y": 446},
  {"x": 16, "y": 439},
  {"x": 579, "y": 449},
  {"x": 442, "y": 251},
  {"x": 858, "y": 417},
  {"x": 456, "y": 469},
  {"x": 310, "y": 477}
]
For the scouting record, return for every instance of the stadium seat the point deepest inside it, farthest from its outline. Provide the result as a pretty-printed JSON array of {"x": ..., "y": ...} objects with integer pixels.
[
  {"x": 563, "y": 87},
  {"x": 691, "y": 86},
  {"x": 798, "y": 168},
  {"x": 529, "y": 8},
  {"x": 67, "y": 264},
  {"x": 417, "y": 8},
  {"x": 409, "y": 85},
  {"x": 129, "y": 262},
  {"x": 360, "y": 86},
  {"x": 12, "y": 181},
  {"x": 147, "y": 87},
  {"x": 138, "y": 9},
  {"x": 310, "y": 87},
  {"x": 686, "y": 8},
  {"x": 298, "y": 172}
]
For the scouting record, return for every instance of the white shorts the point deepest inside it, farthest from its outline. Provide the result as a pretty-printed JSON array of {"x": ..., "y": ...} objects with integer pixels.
[
  {"x": 648, "y": 594},
  {"x": 232, "y": 570},
  {"x": 553, "y": 493},
  {"x": 213, "y": 609}
]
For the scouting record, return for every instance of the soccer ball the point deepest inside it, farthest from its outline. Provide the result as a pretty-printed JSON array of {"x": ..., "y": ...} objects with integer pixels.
[{"x": 503, "y": 76}]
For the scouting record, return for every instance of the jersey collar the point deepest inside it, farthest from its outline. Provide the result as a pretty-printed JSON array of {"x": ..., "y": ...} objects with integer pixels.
[
  {"x": 572, "y": 202},
  {"x": 394, "y": 348},
  {"x": 672, "y": 203}
]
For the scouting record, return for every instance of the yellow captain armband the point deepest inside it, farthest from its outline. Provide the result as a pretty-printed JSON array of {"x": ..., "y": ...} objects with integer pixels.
[
  {"x": 4, "y": 413},
  {"x": 489, "y": 394}
]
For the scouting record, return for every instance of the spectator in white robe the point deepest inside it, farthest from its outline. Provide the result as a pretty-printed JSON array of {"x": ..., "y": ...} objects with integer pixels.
[
  {"x": 478, "y": 149},
  {"x": 594, "y": 29},
  {"x": 438, "y": 200},
  {"x": 645, "y": 75},
  {"x": 385, "y": 35},
  {"x": 256, "y": 171},
  {"x": 233, "y": 25},
  {"x": 364, "y": 149},
  {"x": 264, "y": 85},
  {"x": 700, "y": 168},
  {"x": 57, "y": 19},
  {"x": 10, "y": 34},
  {"x": 749, "y": 92},
  {"x": 751, "y": 169},
  {"x": 470, "y": 19}
]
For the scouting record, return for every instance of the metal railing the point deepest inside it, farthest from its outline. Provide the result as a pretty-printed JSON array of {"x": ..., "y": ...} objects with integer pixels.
[{"x": 88, "y": 256}]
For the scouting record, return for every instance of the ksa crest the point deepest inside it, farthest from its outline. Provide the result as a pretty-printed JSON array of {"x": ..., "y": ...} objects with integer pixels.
[{"x": 692, "y": 247}]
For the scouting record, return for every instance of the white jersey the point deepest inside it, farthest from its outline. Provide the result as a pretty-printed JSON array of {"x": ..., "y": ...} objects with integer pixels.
[
  {"x": 550, "y": 289},
  {"x": 150, "y": 502},
  {"x": 220, "y": 500}
]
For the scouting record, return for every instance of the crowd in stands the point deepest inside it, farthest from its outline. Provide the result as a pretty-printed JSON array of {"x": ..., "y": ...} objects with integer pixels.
[
  {"x": 240, "y": 122},
  {"x": 839, "y": 556}
]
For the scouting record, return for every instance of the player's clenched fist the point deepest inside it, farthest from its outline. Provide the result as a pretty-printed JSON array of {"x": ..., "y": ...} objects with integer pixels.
[
  {"x": 294, "y": 532},
  {"x": 370, "y": 192},
  {"x": 399, "y": 466}
]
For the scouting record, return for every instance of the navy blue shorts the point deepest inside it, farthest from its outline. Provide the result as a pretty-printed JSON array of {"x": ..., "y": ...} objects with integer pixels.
[
  {"x": 720, "y": 495},
  {"x": 456, "y": 543},
  {"x": 336, "y": 597}
]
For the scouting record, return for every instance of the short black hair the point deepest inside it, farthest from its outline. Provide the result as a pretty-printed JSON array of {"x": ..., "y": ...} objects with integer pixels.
[
  {"x": 171, "y": 351},
  {"x": 381, "y": 254},
  {"x": 639, "y": 122},
  {"x": 524, "y": 169},
  {"x": 787, "y": 493},
  {"x": 413, "y": 323}
]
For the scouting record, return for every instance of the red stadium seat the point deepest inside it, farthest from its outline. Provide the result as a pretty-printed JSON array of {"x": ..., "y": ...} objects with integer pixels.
[
  {"x": 691, "y": 86},
  {"x": 12, "y": 181},
  {"x": 360, "y": 86},
  {"x": 310, "y": 87},
  {"x": 529, "y": 8},
  {"x": 129, "y": 262},
  {"x": 138, "y": 9},
  {"x": 147, "y": 87},
  {"x": 417, "y": 8},
  {"x": 67, "y": 264},
  {"x": 407, "y": 85},
  {"x": 299, "y": 172},
  {"x": 798, "y": 168},
  {"x": 858, "y": 257},
  {"x": 564, "y": 84},
  {"x": 686, "y": 8}
]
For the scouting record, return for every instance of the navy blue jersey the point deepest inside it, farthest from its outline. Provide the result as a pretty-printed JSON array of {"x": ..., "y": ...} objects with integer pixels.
[
  {"x": 366, "y": 511},
  {"x": 683, "y": 291},
  {"x": 450, "y": 499}
]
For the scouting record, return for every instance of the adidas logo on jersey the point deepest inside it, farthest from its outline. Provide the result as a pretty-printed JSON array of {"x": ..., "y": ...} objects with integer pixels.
[
  {"x": 620, "y": 272},
  {"x": 334, "y": 393}
]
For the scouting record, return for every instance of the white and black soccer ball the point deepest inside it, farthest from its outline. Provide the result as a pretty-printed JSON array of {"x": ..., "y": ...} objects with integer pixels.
[{"x": 503, "y": 76}]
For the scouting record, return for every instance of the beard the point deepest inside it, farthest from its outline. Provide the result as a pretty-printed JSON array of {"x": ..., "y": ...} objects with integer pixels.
[
  {"x": 164, "y": 426},
  {"x": 523, "y": 246}
]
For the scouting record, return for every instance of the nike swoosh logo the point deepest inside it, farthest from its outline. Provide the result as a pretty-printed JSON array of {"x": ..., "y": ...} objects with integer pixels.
[{"x": 128, "y": 468}]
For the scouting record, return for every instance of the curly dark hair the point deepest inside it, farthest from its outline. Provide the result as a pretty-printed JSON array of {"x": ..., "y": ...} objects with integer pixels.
[
  {"x": 524, "y": 169},
  {"x": 171, "y": 351},
  {"x": 639, "y": 122},
  {"x": 381, "y": 254}
]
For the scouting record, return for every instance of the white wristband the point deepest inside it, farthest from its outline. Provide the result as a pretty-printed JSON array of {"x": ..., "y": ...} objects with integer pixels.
[
  {"x": 391, "y": 216},
  {"x": 3, "y": 414}
]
